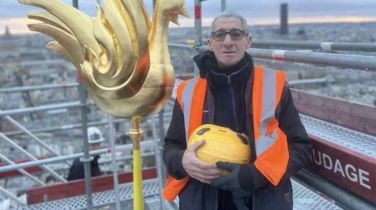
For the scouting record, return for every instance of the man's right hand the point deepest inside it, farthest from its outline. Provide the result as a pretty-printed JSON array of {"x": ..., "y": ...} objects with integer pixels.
[{"x": 203, "y": 171}]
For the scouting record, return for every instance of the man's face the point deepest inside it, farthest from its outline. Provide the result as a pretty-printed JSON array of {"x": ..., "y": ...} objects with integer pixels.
[
  {"x": 228, "y": 51},
  {"x": 94, "y": 146}
]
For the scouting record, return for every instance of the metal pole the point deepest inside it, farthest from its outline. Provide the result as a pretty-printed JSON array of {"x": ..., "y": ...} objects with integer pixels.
[
  {"x": 114, "y": 166},
  {"x": 38, "y": 87},
  {"x": 42, "y": 63},
  {"x": 40, "y": 108},
  {"x": 15, "y": 123},
  {"x": 158, "y": 159},
  {"x": 136, "y": 134},
  {"x": 67, "y": 157},
  {"x": 58, "y": 128},
  {"x": 7, "y": 193},
  {"x": 198, "y": 21},
  {"x": 86, "y": 159},
  {"x": 16, "y": 146},
  {"x": 223, "y": 5},
  {"x": 325, "y": 46},
  {"x": 310, "y": 81},
  {"x": 360, "y": 62},
  {"x": 22, "y": 171}
]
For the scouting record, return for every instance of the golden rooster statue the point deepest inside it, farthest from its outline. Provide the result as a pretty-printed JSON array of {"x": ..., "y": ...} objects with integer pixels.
[{"x": 122, "y": 56}]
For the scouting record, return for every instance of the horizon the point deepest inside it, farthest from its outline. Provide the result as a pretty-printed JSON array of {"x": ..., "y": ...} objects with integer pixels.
[
  {"x": 206, "y": 23},
  {"x": 13, "y": 14}
]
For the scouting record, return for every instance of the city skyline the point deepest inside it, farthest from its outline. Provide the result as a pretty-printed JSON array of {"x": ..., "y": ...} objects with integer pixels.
[{"x": 13, "y": 14}]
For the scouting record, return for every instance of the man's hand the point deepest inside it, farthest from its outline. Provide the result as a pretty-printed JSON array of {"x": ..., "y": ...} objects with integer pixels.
[
  {"x": 229, "y": 181},
  {"x": 198, "y": 169}
]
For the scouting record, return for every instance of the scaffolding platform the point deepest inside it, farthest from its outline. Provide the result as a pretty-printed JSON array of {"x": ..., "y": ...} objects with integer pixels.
[{"x": 304, "y": 198}]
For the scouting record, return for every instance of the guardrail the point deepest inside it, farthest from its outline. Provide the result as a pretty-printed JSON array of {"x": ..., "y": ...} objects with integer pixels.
[
  {"x": 360, "y": 62},
  {"x": 325, "y": 46}
]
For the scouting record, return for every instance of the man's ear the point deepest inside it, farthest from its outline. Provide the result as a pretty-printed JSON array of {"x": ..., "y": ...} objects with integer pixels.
[
  {"x": 249, "y": 42},
  {"x": 210, "y": 44}
]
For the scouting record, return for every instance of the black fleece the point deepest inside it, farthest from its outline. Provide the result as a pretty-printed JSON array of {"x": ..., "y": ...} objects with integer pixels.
[{"x": 228, "y": 92}]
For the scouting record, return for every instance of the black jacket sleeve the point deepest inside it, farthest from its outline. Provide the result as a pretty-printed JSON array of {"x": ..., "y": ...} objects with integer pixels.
[
  {"x": 299, "y": 145},
  {"x": 297, "y": 138},
  {"x": 175, "y": 144}
]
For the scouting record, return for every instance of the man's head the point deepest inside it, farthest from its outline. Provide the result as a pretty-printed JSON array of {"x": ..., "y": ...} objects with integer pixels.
[
  {"x": 229, "y": 39},
  {"x": 95, "y": 137}
]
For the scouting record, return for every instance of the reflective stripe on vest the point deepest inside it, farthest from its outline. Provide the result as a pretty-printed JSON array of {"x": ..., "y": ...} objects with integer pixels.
[
  {"x": 193, "y": 90},
  {"x": 270, "y": 141}
]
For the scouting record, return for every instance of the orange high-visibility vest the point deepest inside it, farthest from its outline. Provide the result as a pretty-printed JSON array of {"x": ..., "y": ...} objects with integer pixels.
[{"x": 270, "y": 141}]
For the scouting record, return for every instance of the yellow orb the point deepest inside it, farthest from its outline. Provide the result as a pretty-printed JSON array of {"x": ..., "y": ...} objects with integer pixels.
[{"x": 221, "y": 144}]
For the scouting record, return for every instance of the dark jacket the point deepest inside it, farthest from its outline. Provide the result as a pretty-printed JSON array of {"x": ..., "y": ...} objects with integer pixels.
[
  {"x": 76, "y": 171},
  {"x": 228, "y": 88}
]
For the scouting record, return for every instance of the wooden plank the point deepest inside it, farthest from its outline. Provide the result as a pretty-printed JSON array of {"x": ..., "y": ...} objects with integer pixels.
[{"x": 355, "y": 116}]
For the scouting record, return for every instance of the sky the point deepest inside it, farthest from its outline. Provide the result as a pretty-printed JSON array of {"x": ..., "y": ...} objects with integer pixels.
[{"x": 257, "y": 12}]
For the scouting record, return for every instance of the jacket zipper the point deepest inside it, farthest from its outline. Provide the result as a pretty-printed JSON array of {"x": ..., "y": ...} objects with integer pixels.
[{"x": 233, "y": 102}]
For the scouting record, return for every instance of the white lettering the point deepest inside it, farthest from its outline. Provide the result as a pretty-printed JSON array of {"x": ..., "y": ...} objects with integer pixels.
[
  {"x": 364, "y": 176},
  {"x": 317, "y": 161},
  {"x": 347, "y": 171},
  {"x": 328, "y": 164},
  {"x": 351, "y": 175},
  {"x": 338, "y": 167}
]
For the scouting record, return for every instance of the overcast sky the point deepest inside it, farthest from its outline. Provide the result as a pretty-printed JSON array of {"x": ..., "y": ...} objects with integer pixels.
[{"x": 257, "y": 12}]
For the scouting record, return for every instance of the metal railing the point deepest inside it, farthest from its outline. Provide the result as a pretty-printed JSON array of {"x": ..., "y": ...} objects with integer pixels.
[
  {"x": 360, "y": 62},
  {"x": 74, "y": 156},
  {"x": 324, "y": 46},
  {"x": 38, "y": 87}
]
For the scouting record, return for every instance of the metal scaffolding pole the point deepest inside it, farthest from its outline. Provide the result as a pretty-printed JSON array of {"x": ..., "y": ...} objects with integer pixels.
[
  {"x": 113, "y": 161},
  {"x": 198, "y": 22},
  {"x": 22, "y": 171},
  {"x": 158, "y": 159},
  {"x": 40, "y": 108},
  {"x": 86, "y": 159},
  {"x": 42, "y": 62},
  {"x": 360, "y": 62},
  {"x": 13, "y": 197},
  {"x": 38, "y": 87},
  {"x": 325, "y": 46},
  {"x": 59, "y": 128},
  {"x": 54, "y": 174},
  {"x": 70, "y": 157},
  {"x": 25, "y": 130}
]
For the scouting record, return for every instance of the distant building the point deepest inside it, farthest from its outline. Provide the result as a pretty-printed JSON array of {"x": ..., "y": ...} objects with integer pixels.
[
  {"x": 284, "y": 19},
  {"x": 8, "y": 47}
]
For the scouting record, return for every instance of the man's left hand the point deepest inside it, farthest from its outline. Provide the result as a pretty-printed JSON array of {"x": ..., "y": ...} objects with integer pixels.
[{"x": 231, "y": 180}]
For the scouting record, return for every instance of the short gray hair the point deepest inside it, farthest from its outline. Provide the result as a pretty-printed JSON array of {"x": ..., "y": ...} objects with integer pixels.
[{"x": 230, "y": 14}]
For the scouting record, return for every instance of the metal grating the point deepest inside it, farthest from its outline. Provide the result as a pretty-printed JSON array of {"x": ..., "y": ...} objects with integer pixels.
[
  {"x": 304, "y": 198},
  {"x": 353, "y": 140},
  {"x": 307, "y": 199}
]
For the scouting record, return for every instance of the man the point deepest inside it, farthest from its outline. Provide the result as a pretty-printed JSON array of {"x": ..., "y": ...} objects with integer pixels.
[
  {"x": 233, "y": 92},
  {"x": 76, "y": 171}
]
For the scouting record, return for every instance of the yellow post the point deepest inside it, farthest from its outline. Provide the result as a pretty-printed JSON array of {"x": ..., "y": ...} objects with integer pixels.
[{"x": 136, "y": 133}]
